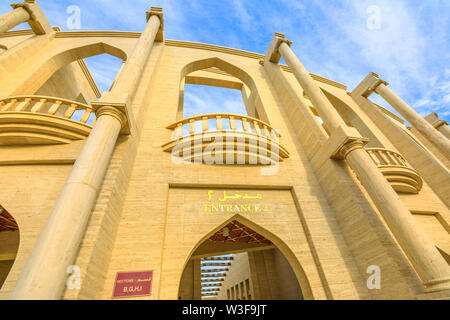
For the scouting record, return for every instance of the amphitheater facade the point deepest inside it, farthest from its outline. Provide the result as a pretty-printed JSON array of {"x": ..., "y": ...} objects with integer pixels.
[{"x": 315, "y": 193}]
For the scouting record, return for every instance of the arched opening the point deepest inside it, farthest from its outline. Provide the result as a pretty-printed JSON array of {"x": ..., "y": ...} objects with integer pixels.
[
  {"x": 242, "y": 261},
  {"x": 9, "y": 240},
  {"x": 82, "y": 81},
  {"x": 215, "y": 72},
  {"x": 225, "y": 137},
  {"x": 28, "y": 80}
]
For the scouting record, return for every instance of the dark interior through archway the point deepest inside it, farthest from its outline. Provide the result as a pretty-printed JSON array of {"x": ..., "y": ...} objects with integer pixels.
[{"x": 238, "y": 263}]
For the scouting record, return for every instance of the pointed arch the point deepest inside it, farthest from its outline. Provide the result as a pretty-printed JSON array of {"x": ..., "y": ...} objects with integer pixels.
[
  {"x": 229, "y": 68},
  {"x": 275, "y": 240},
  {"x": 27, "y": 79}
]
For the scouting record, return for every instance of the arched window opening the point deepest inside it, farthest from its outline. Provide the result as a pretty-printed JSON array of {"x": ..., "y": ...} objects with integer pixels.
[
  {"x": 104, "y": 69},
  {"x": 9, "y": 240},
  {"x": 217, "y": 122},
  {"x": 202, "y": 99},
  {"x": 82, "y": 81},
  {"x": 237, "y": 263}
]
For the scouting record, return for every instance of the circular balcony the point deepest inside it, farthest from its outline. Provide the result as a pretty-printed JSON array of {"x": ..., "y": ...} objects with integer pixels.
[
  {"x": 224, "y": 138},
  {"x": 397, "y": 171},
  {"x": 42, "y": 120}
]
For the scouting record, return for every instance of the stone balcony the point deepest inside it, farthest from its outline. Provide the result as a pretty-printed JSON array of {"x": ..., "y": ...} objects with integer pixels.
[
  {"x": 31, "y": 119},
  {"x": 236, "y": 139},
  {"x": 397, "y": 171}
]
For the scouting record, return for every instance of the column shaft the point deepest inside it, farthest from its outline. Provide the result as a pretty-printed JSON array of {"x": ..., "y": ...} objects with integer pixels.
[
  {"x": 414, "y": 118},
  {"x": 445, "y": 130},
  {"x": 331, "y": 119},
  {"x": 128, "y": 77},
  {"x": 13, "y": 18},
  {"x": 426, "y": 259},
  {"x": 423, "y": 255},
  {"x": 44, "y": 274}
]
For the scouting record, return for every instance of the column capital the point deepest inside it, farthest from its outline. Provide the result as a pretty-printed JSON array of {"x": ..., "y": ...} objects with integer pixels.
[
  {"x": 157, "y": 11},
  {"x": 273, "y": 53},
  {"x": 369, "y": 84},
  {"x": 434, "y": 120},
  {"x": 116, "y": 110},
  {"x": 342, "y": 141},
  {"x": 38, "y": 21}
]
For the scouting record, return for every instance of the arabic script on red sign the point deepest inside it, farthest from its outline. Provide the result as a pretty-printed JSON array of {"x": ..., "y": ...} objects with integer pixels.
[{"x": 133, "y": 284}]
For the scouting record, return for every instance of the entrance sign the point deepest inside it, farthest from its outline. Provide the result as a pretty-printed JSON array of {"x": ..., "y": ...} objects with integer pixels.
[
  {"x": 133, "y": 284},
  {"x": 234, "y": 202}
]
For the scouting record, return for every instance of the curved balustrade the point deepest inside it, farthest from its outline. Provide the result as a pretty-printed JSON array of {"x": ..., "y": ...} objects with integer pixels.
[
  {"x": 49, "y": 105},
  {"x": 240, "y": 137},
  {"x": 35, "y": 119},
  {"x": 397, "y": 171}
]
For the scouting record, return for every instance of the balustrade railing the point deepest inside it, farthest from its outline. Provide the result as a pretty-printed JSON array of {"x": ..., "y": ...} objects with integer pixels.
[
  {"x": 244, "y": 135},
  {"x": 397, "y": 171},
  {"x": 224, "y": 121},
  {"x": 68, "y": 109}
]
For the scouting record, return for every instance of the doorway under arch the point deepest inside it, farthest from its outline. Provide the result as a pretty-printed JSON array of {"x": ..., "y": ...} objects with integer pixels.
[
  {"x": 9, "y": 240},
  {"x": 235, "y": 262}
]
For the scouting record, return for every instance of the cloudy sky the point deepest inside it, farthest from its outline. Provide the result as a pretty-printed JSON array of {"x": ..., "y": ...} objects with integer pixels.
[{"x": 406, "y": 42}]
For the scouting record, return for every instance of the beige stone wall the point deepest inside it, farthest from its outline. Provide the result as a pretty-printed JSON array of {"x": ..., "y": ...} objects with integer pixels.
[
  {"x": 29, "y": 195},
  {"x": 149, "y": 213}
]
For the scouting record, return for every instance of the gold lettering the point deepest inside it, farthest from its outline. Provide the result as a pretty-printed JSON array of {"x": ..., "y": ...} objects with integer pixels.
[{"x": 244, "y": 208}]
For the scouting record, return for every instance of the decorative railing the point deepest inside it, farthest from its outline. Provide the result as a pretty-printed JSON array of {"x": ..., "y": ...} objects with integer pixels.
[
  {"x": 47, "y": 105},
  {"x": 249, "y": 124},
  {"x": 397, "y": 171},
  {"x": 249, "y": 135},
  {"x": 35, "y": 119}
]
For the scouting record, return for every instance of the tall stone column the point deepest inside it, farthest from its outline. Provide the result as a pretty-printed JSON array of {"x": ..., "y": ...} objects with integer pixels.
[
  {"x": 28, "y": 11},
  {"x": 13, "y": 18},
  {"x": 44, "y": 275},
  {"x": 413, "y": 118},
  {"x": 438, "y": 124},
  {"x": 346, "y": 143}
]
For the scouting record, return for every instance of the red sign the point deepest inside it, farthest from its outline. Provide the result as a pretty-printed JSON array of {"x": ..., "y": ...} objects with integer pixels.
[{"x": 133, "y": 284}]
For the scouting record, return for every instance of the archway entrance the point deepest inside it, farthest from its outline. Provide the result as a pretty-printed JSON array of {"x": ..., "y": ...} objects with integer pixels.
[
  {"x": 238, "y": 263},
  {"x": 9, "y": 243}
]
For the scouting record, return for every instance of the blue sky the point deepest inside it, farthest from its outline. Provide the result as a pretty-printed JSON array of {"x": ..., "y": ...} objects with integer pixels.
[{"x": 410, "y": 49}]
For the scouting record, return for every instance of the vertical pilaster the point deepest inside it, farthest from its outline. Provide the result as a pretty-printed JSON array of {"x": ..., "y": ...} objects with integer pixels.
[
  {"x": 13, "y": 18},
  {"x": 44, "y": 274},
  {"x": 372, "y": 83},
  {"x": 414, "y": 118},
  {"x": 29, "y": 11},
  {"x": 438, "y": 124},
  {"x": 346, "y": 143}
]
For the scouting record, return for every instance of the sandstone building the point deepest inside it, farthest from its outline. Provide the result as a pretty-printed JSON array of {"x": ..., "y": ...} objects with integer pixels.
[{"x": 313, "y": 194}]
